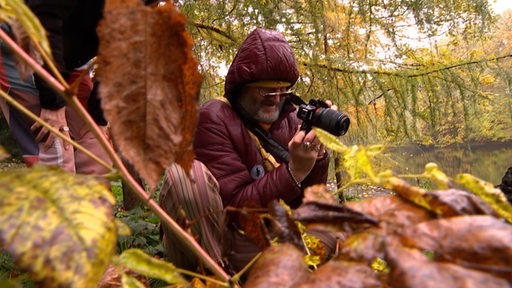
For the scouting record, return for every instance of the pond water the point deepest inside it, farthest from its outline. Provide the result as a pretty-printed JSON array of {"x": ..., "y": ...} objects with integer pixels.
[{"x": 488, "y": 162}]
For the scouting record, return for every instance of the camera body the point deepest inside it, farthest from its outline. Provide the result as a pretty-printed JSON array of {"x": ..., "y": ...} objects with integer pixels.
[{"x": 317, "y": 113}]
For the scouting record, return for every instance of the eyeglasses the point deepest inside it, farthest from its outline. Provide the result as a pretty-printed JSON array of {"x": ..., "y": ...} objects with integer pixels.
[{"x": 263, "y": 93}]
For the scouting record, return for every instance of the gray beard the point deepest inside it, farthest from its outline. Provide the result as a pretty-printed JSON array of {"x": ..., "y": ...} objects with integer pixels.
[{"x": 257, "y": 114}]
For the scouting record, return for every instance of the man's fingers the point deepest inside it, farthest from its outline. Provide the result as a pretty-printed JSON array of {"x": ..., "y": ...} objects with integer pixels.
[
  {"x": 48, "y": 141},
  {"x": 41, "y": 134}
]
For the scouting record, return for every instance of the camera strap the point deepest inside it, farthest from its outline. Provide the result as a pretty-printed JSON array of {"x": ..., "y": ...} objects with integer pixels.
[
  {"x": 296, "y": 100},
  {"x": 270, "y": 145}
]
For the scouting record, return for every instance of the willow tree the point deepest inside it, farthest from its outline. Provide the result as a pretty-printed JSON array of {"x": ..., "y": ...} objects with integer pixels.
[{"x": 405, "y": 71}]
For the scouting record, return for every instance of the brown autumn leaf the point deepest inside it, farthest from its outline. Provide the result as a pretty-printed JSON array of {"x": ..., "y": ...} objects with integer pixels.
[
  {"x": 149, "y": 84},
  {"x": 411, "y": 268},
  {"x": 453, "y": 202},
  {"x": 479, "y": 242},
  {"x": 318, "y": 193},
  {"x": 342, "y": 274},
  {"x": 392, "y": 211},
  {"x": 364, "y": 246},
  {"x": 394, "y": 214},
  {"x": 249, "y": 218},
  {"x": 278, "y": 266},
  {"x": 333, "y": 214},
  {"x": 283, "y": 226}
]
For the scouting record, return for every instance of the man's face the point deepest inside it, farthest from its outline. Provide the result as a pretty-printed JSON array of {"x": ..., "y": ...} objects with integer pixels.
[{"x": 263, "y": 104}]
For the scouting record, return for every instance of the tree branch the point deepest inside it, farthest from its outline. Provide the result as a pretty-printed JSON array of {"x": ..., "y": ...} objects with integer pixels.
[
  {"x": 405, "y": 74},
  {"x": 214, "y": 29}
]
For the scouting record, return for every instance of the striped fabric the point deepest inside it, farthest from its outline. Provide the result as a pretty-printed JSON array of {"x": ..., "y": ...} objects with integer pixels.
[{"x": 193, "y": 200}]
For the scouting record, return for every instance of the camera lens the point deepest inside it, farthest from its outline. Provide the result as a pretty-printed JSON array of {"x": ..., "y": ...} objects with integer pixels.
[{"x": 332, "y": 121}]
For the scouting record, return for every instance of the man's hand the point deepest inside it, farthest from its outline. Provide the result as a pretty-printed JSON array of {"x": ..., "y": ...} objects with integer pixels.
[
  {"x": 330, "y": 105},
  {"x": 304, "y": 150},
  {"x": 57, "y": 119}
]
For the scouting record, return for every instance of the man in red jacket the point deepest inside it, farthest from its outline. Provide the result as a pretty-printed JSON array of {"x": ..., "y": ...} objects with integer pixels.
[{"x": 251, "y": 144}]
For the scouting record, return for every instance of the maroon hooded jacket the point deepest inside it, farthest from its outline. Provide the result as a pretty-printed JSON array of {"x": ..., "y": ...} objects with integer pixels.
[{"x": 224, "y": 145}]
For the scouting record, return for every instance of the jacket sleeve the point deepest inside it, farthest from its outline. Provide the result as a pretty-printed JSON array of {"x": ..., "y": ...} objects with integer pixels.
[
  {"x": 51, "y": 14},
  {"x": 214, "y": 147}
]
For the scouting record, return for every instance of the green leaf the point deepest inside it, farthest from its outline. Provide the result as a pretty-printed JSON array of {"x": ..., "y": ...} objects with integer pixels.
[
  {"x": 58, "y": 226},
  {"x": 485, "y": 190},
  {"x": 140, "y": 262}
]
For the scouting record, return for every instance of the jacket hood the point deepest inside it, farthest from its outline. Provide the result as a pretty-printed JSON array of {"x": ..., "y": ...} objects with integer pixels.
[{"x": 264, "y": 56}]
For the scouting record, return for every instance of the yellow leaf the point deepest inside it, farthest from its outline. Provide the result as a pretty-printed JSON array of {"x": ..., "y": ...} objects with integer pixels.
[
  {"x": 16, "y": 9},
  {"x": 485, "y": 190},
  {"x": 58, "y": 226},
  {"x": 131, "y": 282},
  {"x": 136, "y": 260},
  {"x": 442, "y": 180}
]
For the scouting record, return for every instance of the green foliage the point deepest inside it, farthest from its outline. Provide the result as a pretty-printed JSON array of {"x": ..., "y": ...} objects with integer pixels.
[{"x": 144, "y": 228}]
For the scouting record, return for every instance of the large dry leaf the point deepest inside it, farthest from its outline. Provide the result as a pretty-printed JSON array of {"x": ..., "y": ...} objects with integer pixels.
[
  {"x": 393, "y": 212},
  {"x": 59, "y": 227},
  {"x": 332, "y": 214},
  {"x": 479, "y": 242},
  {"x": 455, "y": 202},
  {"x": 364, "y": 246},
  {"x": 149, "y": 84},
  {"x": 342, "y": 274},
  {"x": 279, "y": 266},
  {"x": 411, "y": 268},
  {"x": 318, "y": 193},
  {"x": 252, "y": 224},
  {"x": 285, "y": 229}
]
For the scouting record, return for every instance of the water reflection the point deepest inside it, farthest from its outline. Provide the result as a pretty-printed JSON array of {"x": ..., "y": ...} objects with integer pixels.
[{"x": 486, "y": 161}]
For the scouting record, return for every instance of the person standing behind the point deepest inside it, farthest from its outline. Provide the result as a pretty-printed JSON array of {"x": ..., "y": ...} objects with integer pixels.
[
  {"x": 18, "y": 81},
  {"x": 71, "y": 27}
]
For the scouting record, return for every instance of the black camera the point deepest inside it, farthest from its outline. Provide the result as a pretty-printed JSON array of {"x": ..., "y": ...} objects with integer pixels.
[{"x": 317, "y": 113}]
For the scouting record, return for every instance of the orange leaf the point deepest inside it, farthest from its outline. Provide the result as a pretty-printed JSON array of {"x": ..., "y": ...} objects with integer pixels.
[{"x": 149, "y": 85}]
